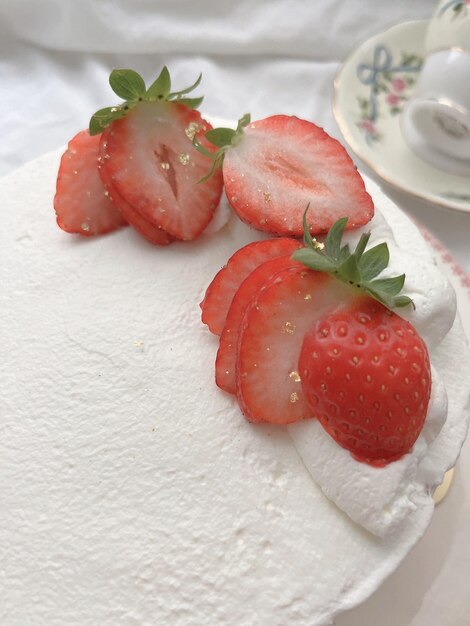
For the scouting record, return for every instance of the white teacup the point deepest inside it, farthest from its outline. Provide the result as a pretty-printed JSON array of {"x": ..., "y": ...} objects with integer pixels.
[
  {"x": 436, "y": 121},
  {"x": 449, "y": 27}
]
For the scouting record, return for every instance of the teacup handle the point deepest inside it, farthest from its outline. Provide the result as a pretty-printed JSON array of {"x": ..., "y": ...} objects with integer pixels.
[{"x": 436, "y": 121}]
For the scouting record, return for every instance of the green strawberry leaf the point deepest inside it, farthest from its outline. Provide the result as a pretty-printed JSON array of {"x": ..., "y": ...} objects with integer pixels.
[
  {"x": 348, "y": 270},
  {"x": 191, "y": 103},
  {"x": 100, "y": 120},
  {"x": 217, "y": 162},
  {"x": 358, "y": 269},
  {"x": 202, "y": 149},
  {"x": 308, "y": 239},
  {"x": 220, "y": 136},
  {"x": 223, "y": 139},
  {"x": 390, "y": 286},
  {"x": 127, "y": 84},
  {"x": 313, "y": 260},
  {"x": 344, "y": 253},
  {"x": 333, "y": 238},
  {"x": 401, "y": 301},
  {"x": 130, "y": 86},
  {"x": 380, "y": 296},
  {"x": 103, "y": 118},
  {"x": 374, "y": 261},
  {"x": 178, "y": 94},
  {"x": 243, "y": 122},
  {"x": 160, "y": 88},
  {"x": 361, "y": 246}
]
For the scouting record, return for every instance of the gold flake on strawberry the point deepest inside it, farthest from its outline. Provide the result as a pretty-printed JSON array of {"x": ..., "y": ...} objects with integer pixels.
[
  {"x": 271, "y": 334},
  {"x": 256, "y": 482},
  {"x": 274, "y": 167},
  {"x": 148, "y": 166},
  {"x": 219, "y": 294},
  {"x": 226, "y": 361},
  {"x": 81, "y": 202},
  {"x": 150, "y": 160},
  {"x": 313, "y": 336}
]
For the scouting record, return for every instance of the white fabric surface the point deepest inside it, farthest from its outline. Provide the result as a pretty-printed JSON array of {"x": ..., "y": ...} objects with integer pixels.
[{"x": 260, "y": 56}]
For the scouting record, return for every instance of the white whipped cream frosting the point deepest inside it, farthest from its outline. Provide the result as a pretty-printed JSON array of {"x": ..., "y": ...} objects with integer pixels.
[
  {"x": 380, "y": 498},
  {"x": 133, "y": 491}
]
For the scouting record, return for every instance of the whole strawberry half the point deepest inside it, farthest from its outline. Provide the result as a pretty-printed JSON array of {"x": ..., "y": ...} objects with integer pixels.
[
  {"x": 313, "y": 335},
  {"x": 274, "y": 167},
  {"x": 148, "y": 161},
  {"x": 149, "y": 158},
  {"x": 81, "y": 202},
  {"x": 366, "y": 374}
]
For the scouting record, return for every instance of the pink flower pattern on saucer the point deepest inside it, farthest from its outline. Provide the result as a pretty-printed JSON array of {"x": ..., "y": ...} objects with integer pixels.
[{"x": 389, "y": 84}]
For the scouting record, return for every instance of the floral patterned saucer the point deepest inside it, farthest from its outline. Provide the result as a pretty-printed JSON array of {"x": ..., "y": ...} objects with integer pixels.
[{"x": 371, "y": 89}]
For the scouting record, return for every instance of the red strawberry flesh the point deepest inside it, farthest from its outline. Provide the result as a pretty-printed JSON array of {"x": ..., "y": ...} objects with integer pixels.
[
  {"x": 366, "y": 374},
  {"x": 149, "y": 231},
  {"x": 271, "y": 334},
  {"x": 281, "y": 165},
  {"x": 225, "y": 366},
  {"x": 220, "y": 293},
  {"x": 81, "y": 201},
  {"x": 150, "y": 161}
]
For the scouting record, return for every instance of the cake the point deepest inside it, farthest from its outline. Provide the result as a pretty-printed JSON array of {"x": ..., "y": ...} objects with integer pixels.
[{"x": 134, "y": 492}]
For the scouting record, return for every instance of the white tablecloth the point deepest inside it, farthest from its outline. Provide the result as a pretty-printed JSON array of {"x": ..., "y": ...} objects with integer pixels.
[{"x": 262, "y": 56}]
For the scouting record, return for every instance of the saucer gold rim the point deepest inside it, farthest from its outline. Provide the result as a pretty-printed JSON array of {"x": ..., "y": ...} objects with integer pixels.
[
  {"x": 442, "y": 490},
  {"x": 344, "y": 127}
]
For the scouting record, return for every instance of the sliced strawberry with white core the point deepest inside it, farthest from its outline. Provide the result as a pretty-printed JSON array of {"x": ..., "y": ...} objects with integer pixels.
[
  {"x": 225, "y": 365},
  {"x": 280, "y": 165},
  {"x": 220, "y": 293},
  {"x": 149, "y": 231},
  {"x": 271, "y": 334},
  {"x": 149, "y": 159},
  {"x": 81, "y": 202}
]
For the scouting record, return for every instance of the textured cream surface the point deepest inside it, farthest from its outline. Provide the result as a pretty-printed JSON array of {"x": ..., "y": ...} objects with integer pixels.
[
  {"x": 380, "y": 498},
  {"x": 133, "y": 493}
]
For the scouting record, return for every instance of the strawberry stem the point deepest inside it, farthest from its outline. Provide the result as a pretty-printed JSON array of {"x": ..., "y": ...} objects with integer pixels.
[{"x": 223, "y": 139}]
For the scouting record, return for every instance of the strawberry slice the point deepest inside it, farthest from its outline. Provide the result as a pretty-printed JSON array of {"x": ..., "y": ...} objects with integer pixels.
[
  {"x": 220, "y": 293},
  {"x": 273, "y": 168},
  {"x": 149, "y": 231},
  {"x": 81, "y": 202},
  {"x": 225, "y": 365},
  {"x": 149, "y": 159},
  {"x": 271, "y": 334},
  {"x": 367, "y": 376}
]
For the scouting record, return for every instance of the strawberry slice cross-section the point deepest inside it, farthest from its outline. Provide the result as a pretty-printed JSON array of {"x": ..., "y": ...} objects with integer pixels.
[
  {"x": 225, "y": 365},
  {"x": 81, "y": 202},
  {"x": 271, "y": 334},
  {"x": 273, "y": 168},
  {"x": 148, "y": 158},
  {"x": 220, "y": 292},
  {"x": 154, "y": 234}
]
